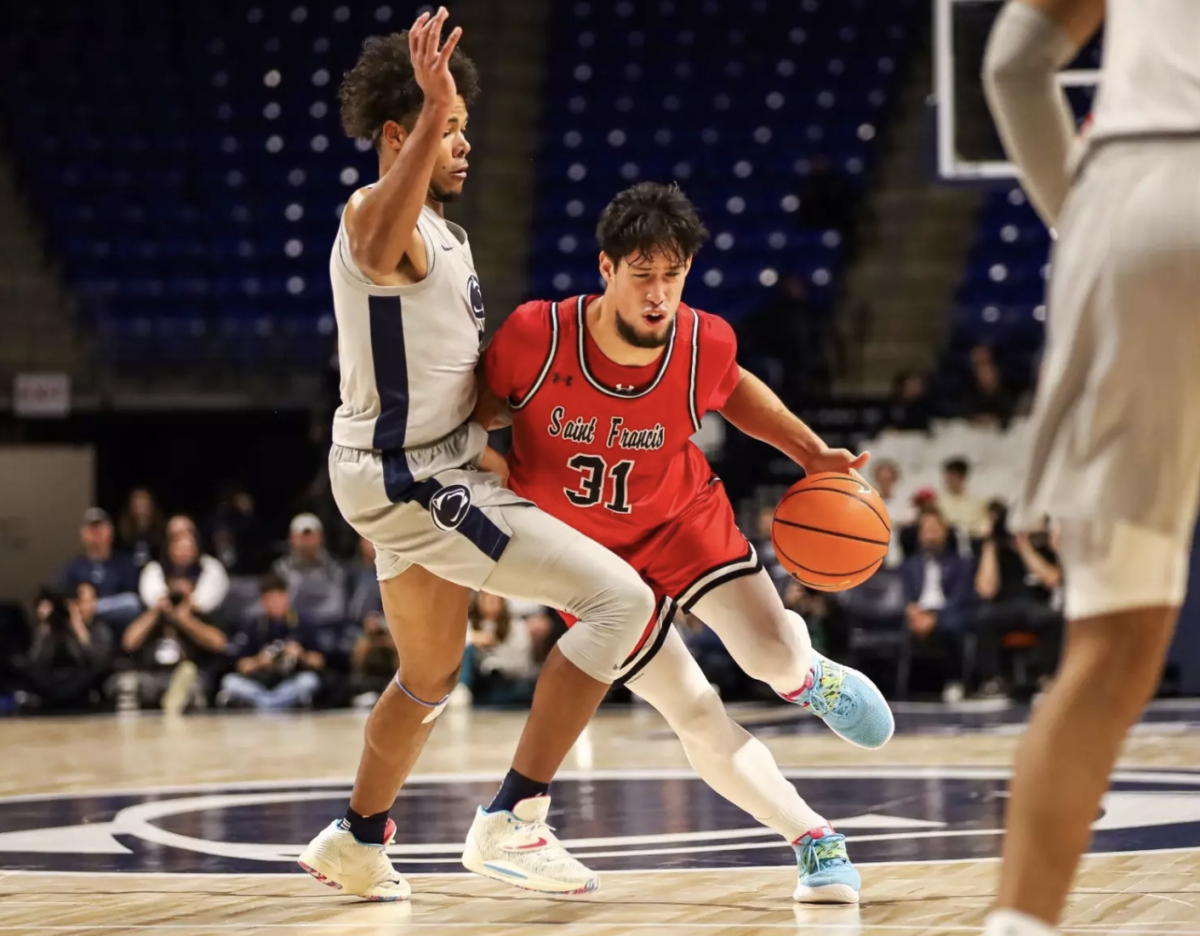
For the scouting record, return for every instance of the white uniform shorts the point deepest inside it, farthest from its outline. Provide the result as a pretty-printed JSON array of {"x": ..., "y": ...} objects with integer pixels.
[{"x": 1116, "y": 422}]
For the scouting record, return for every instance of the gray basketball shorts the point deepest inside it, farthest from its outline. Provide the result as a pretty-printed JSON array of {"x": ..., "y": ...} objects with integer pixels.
[
  {"x": 452, "y": 523},
  {"x": 1116, "y": 421}
]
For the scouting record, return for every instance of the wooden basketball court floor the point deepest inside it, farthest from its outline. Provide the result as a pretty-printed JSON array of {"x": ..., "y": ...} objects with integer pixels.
[{"x": 190, "y": 826}]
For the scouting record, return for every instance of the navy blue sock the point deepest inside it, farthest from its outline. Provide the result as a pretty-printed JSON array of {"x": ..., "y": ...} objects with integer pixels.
[
  {"x": 515, "y": 788},
  {"x": 367, "y": 829}
]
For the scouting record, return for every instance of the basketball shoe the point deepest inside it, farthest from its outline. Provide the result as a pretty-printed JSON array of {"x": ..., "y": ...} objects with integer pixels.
[
  {"x": 337, "y": 859},
  {"x": 519, "y": 848},
  {"x": 849, "y": 703},
  {"x": 826, "y": 874}
]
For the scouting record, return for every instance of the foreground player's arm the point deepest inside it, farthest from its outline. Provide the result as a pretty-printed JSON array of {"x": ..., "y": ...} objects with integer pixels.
[
  {"x": 1030, "y": 42},
  {"x": 382, "y": 223},
  {"x": 755, "y": 409}
]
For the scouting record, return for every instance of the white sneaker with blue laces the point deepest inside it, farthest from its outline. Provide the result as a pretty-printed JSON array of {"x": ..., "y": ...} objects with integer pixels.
[{"x": 847, "y": 701}]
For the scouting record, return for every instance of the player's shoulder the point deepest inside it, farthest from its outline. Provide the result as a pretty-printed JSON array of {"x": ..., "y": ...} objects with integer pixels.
[{"x": 713, "y": 330}]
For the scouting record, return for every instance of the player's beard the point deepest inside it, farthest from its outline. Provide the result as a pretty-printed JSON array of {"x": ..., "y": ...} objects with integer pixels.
[
  {"x": 439, "y": 194},
  {"x": 630, "y": 335}
]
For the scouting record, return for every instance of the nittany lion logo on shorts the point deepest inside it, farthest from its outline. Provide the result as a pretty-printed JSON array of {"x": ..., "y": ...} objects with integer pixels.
[
  {"x": 449, "y": 506},
  {"x": 476, "y": 296}
]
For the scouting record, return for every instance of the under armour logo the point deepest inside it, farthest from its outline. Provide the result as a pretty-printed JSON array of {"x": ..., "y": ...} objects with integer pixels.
[
  {"x": 566, "y": 380},
  {"x": 624, "y": 388}
]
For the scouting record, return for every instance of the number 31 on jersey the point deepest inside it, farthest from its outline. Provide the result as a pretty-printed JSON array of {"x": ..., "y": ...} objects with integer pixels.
[{"x": 594, "y": 475}]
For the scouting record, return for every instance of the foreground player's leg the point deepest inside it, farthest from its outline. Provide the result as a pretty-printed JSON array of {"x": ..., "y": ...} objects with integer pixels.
[
  {"x": 772, "y": 644},
  {"x": 739, "y": 767},
  {"x": 427, "y": 617},
  {"x": 1122, "y": 608},
  {"x": 547, "y": 561}
]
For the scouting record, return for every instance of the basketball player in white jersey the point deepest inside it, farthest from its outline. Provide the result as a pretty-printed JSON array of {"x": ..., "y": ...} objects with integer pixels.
[
  {"x": 405, "y": 472},
  {"x": 1116, "y": 454}
]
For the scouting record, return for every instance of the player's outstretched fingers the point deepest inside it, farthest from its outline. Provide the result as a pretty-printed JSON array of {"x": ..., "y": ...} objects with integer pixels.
[{"x": 448, "y": 48}]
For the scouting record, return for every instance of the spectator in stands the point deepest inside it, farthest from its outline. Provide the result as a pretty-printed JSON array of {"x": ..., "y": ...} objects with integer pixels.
[
  {"x": 785, "y": 342},
  {"x": 908, "y": 406},
  {"x": 499, "y": 666},
  {"x": 765, "y": 548},
  {"x": 71, "y": 651},
  {"x": 183, "y": 560},
  {"x": 885, "y": 474},
  {"x": 373, "y": 662},
  {"x": 939, "y": 586},
  {"x": 239, "y": 540},
  {"x": 316, "y": 582},
  {"x": 141, "y": 527},
  {"x": 363, "y": 584},
  {"x": 279, "y": 665},
  {"x": 170, "y": 644},
  {"x": 987, "y": 402},
  {"x": 827, "y": 201},
  {"x": 1019, "y": 586},
  {"x": 112, "y": 574},
  {"x": 961, "y": 510},
  {"x": 817, "y": 610}
]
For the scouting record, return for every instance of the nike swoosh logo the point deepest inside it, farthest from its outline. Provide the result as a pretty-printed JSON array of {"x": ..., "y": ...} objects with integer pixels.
[
  {"x": 444, "y": 247},
  {"x": 540, "y": 843}
]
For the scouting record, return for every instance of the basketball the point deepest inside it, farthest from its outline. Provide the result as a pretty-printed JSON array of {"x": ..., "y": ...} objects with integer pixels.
[{"x": 831, "y": 531}]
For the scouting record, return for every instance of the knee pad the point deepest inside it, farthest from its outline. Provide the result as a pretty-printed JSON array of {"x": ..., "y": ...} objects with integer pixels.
[
  {"x": 1117, "y": 566},
  {"x": 435, "y": 708}
]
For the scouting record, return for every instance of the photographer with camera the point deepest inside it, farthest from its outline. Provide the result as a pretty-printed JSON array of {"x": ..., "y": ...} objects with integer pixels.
[
  {"x": 169, "y": 644},
  {"x": 70, "y": 652},
  {"x": 373, "y": 662},
  {"x": 279, "y": 664},
  {"x": 1019, "y": 585}
]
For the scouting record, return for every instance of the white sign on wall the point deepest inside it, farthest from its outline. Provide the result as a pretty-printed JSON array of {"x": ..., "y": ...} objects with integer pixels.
[{"x": 42, "y": 395}]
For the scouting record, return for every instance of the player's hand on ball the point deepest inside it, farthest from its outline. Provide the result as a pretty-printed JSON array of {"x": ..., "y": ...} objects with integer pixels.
[
  {"x": 840, "y": 460},
  {"x": 431, "y": 65}
]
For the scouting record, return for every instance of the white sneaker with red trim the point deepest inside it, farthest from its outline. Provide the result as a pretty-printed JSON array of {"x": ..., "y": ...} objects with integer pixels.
[
  {"x": 519, "y": 848},
  {"x": 337, "y": 859}
]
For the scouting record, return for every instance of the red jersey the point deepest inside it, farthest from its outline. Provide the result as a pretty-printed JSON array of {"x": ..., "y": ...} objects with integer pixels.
[{"x": 606, "y": 447}]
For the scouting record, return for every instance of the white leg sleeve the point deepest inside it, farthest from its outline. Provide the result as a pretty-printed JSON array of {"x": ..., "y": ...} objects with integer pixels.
[
  {"x": 767, "y": 641},
  {"x": 551, "y": 563},
  {"x": 726, "y": 756}
]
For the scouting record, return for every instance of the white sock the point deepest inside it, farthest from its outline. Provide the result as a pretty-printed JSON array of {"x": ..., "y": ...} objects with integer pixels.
[{"x": 1012, "y": 923}]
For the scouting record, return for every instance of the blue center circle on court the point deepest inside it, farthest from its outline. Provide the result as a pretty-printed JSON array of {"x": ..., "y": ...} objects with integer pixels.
[{"x": 612, "y": 820}]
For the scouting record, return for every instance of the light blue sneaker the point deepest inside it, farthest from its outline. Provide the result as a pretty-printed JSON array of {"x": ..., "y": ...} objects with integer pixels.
[
  {"x": 849, "y": 703},
  {"x": 826, "y": 874}
]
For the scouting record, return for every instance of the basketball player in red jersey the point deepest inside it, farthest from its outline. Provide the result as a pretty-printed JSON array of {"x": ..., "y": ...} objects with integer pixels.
[{"x": 604, "y": 394}]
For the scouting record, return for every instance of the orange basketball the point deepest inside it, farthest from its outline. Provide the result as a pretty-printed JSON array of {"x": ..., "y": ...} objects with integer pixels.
[{"x": 831, "y": 531}]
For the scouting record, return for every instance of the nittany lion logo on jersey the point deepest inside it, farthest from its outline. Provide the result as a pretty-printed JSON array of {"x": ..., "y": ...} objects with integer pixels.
[
  {"x": 449, "y": 506},
  {"x": 476, "y": 296}
]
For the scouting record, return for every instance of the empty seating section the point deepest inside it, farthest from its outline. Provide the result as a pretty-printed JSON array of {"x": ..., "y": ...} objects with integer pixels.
[
  {"x": 1001, "y": 301},
  {"x": 734, "y": 100},
  {"x": 188, "y": 164}
]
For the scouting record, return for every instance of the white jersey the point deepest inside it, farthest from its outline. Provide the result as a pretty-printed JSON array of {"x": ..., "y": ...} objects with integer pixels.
[
  {"x": 407, "y": 353},
  {"x": 1151, "y": 70}
]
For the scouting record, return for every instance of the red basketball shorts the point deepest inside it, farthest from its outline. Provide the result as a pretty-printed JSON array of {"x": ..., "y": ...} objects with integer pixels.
[{"x": 683, "y": 560}]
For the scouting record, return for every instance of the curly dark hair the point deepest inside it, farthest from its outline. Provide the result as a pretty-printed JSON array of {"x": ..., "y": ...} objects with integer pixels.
[
  {"x": 382, "y": 87},
  {"x": 647, "y": 218}
]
